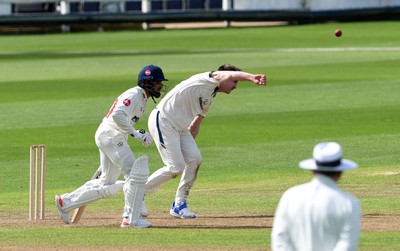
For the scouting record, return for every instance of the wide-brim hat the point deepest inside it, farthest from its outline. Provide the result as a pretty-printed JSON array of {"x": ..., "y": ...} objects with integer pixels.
[{"x": 327, "y": 156}]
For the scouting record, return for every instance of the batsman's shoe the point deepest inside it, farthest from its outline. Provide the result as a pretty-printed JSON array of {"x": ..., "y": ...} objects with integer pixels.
[
  {"x": 181, "y": 211},
  {"x": 59, "y": 204},
  {"x": 125, "y": 222},
  {"x": 138, "y": 224}
]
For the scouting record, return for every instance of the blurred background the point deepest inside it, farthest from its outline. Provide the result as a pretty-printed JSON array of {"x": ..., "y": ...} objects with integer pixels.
[{"x": 45, "y": 16}]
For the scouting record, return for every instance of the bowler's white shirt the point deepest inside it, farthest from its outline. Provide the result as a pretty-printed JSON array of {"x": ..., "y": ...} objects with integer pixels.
[
  {"x": 188, "y": 99},
  {"x": 317, "y": 216}
]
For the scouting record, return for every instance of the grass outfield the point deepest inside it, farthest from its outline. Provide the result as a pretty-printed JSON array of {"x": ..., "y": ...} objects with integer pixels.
[{"x": 56, "y": 88}]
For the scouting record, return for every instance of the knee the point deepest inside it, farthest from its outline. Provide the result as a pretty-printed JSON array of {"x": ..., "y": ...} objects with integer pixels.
[
  {"x": 196, "y": 160},
  {"x": 126, "y": 165},
  {"x": 193, "y": 166},
  {"x": 111, "y": 190},
  {"x": 193, "y": 163},
  {"x": 199, "y": 159},
  {"x": 177, "y": 168}
]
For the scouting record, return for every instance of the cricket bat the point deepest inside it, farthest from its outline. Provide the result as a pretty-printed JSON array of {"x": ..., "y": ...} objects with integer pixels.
[{"x": 79, "y": 211}]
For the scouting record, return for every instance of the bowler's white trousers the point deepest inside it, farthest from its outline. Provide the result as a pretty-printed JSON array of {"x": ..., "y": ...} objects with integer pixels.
[{"x": 178, "y": 151}]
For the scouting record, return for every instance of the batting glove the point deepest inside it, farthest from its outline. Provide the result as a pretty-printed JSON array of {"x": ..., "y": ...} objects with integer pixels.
[{"x": 143, "y": 137}]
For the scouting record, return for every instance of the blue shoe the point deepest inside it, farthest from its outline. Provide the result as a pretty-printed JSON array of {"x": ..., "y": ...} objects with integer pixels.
[{"x": 181, "y": 211}]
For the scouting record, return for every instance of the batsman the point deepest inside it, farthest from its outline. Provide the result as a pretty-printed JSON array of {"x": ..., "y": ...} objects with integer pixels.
[{"x": 116, "y": 156}]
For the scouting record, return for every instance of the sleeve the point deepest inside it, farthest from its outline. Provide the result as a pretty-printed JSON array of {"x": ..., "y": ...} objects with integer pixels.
[
  {"x": 124, "y": 109},
  {"x": 207, "y": 95},
  {"x": 350, "y": 234},
  {"x": 204, "y": 107},
  {"x": 280, "y": 239},
  {"x": 121, "y": 119}
]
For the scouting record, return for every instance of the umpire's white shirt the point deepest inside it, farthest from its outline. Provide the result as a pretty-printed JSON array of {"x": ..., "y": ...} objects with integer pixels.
[
  {"x": 317, "y": 216},
  {"x": 188, "y": 99}
]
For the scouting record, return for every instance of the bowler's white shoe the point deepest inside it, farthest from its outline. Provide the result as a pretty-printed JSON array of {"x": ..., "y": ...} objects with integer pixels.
[{"x": 59, "y": 204}]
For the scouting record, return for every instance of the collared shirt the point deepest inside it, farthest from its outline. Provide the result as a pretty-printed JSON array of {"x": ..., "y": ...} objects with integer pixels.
[
  {"x": 126, "y": 110},
  {"x": 317, "y": 216},
  {"x": 188, "y": 99}
]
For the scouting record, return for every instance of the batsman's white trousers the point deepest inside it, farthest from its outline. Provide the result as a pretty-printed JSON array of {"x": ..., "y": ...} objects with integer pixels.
[
  {"x": 116, "y": 158},
  {"x": 178, "y": 151}
]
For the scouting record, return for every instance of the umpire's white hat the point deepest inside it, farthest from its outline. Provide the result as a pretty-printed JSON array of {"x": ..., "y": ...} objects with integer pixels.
[{"x": 327, "y": 156}]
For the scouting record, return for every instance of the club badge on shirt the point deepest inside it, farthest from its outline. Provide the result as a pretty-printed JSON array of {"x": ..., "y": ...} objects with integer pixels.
[
  {"x": 127, "y": 102},
  {"x": 203, "y": 102}
]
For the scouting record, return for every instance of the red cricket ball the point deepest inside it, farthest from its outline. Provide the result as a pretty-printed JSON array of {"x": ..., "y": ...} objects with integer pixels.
[{"x": 338, "y": 33}]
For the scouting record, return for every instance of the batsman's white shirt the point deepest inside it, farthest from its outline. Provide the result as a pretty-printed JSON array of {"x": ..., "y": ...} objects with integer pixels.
[
  {"x": 188, "y": 99},
  {"x": 317, "y": 216},
  {"x": 126, "y": 111}
]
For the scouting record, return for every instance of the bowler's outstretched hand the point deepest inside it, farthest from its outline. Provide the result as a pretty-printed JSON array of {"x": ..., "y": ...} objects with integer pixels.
[{"x": 260, "y": 79}]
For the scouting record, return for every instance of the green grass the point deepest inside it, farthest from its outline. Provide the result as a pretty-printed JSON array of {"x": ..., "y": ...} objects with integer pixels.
[
  {"x": 251, "y": 140},
  {"x": 171, "y": 239}
]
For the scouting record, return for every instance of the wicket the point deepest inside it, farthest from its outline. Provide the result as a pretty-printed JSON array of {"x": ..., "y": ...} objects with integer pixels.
[{"x": 37, "y": 181}]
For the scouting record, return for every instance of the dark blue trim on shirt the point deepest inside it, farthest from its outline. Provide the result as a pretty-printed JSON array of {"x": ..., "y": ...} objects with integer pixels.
[{"x": 159, "y": 131}]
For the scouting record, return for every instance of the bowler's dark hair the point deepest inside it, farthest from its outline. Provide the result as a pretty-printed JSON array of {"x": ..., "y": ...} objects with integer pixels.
[{"x": 228, "y": 67}]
